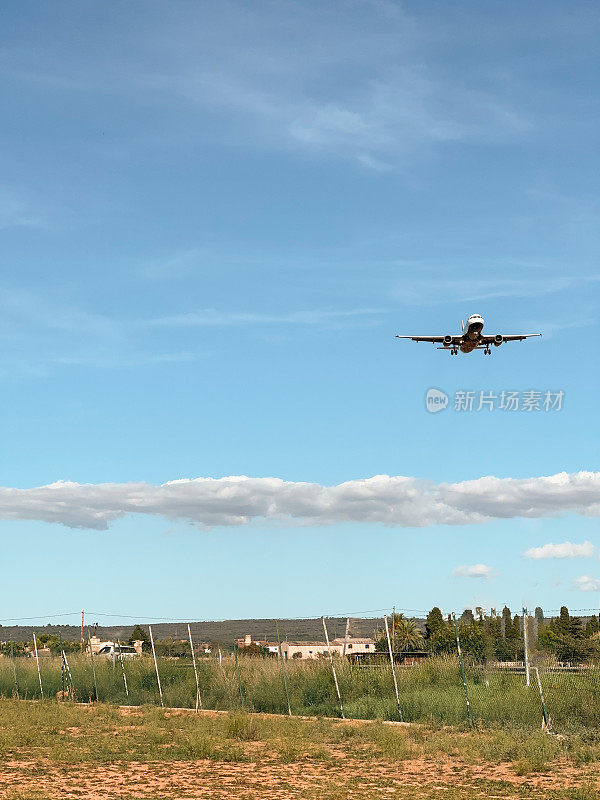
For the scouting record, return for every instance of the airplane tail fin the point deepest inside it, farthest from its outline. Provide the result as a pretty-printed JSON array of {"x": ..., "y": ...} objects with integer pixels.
[{"x": 462, "y": 325}]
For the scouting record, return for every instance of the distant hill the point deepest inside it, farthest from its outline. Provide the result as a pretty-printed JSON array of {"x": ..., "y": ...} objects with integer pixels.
[{"x": 223, "y": 632}]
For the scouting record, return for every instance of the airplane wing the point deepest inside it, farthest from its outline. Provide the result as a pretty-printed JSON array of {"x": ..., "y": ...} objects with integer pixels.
[
  {"x": 512, "y": 337},
  {"x": 432, "y": 339}
]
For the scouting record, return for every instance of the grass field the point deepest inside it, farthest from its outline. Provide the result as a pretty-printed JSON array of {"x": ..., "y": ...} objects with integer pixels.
[
  {"x": 430, "y": 693},
  {"x": 51, "y": 751}
]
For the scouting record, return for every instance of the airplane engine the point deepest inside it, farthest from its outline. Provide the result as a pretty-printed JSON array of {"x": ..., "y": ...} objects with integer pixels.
[
  {"x": 498, "y": 339},
  {"x": 447, "y": 340}
]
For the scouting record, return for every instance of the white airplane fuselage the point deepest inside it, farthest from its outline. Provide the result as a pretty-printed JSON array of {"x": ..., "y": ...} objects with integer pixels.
[{"x": 472, "y": 330}]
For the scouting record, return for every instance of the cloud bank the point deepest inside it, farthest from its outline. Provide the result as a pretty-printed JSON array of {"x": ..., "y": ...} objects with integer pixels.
[
  {"x": 562, "y": 550},
  {"x": 393, "y": 501},
  {"x": 472, "y": 571},
  {"x": 587, "y": 584}
]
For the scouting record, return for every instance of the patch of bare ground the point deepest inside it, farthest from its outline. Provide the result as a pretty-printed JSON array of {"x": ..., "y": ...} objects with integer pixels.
[
  {"x": 342, "y": 776},
  {"x": 56, "y": 752}
]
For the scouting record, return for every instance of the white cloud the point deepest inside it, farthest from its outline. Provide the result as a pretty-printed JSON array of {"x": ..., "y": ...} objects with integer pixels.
[
  {"x": 587, "y": 584},
  {"x": 394, "y": 501},
  {"x": 563, "y": 550},
  {"x": 472, "y": 571}
]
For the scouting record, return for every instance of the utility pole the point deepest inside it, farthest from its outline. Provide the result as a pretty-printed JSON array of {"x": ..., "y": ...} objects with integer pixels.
[{"x": 81, "y": 639}]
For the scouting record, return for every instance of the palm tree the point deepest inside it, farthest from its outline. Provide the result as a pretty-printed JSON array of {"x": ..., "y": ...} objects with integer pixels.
[
  {"x": 404, "y": 634},
  {"x": 407, "y": 634}
]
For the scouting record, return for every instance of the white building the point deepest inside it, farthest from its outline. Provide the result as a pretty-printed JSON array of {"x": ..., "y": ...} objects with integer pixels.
[
  {"x": 354, "y": 645},
  {"x": 339, "y": 647}
]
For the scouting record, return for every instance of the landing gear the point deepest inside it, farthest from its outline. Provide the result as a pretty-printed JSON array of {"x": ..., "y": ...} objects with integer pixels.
[
  {"x": 487, "y": 352},
  {"x": 454, "y": 351}
]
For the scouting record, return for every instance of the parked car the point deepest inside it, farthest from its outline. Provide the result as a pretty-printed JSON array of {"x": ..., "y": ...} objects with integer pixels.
[{"x": 114, "y": 650}]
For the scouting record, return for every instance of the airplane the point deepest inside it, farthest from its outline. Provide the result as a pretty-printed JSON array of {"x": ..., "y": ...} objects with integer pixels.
[{"x": 471, "y": 338}]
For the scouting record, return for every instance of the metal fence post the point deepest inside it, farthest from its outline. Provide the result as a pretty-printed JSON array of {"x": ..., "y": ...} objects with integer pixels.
[
  {"x": 237, "y": 669},
  {"x": 544, "y": 711},
  {"x": 14, "y": 663},
  {"x": 335, "y": 680},
  {"x": 462, "y": 670},
  {"x": 122, "y": 660},
  {"x": 156, "y": 667},
  {"x": 37, "y": 661},
  {"x": 198, "y": 698},
  {"x": 285, "y": 683},
  {"x": 391, "y": 652},
  {"x": 526, "y": 646},
  {"x": 93, "y": 665}
]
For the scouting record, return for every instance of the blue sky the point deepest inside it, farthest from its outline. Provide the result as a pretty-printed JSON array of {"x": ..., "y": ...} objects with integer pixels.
[{"x": 214, "y": 218}]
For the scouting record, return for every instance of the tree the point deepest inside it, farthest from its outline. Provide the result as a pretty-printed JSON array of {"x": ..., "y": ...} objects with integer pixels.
[
  {"x": 494, "y": 627},
  {"x": 435, "y": 622},
  {"x": 256, "y": 650},
  {"x": 506, "y": 622},
  {"x": 567, "y": 625},
  {"x": 473, "y": 641},
  {"x": 539, "y": 615},
  {"x": 53, "y": 642},
  {"x": 592, "y": 627},
  {"x": 516, "y": 627},
  {"x": 467, "y": 617},
  {"x": 172, "y": 648},
  {"x": 138, "y": 634},
  {"x": 563, "y": 623},
  {"x": 564, "y": 636},
  {"x": 443, "y": 641},
  {"x": 407, "y": 634}
]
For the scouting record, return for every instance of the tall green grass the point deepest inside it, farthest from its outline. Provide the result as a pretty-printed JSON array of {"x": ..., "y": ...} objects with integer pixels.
[{"x": 430, "y": 692}]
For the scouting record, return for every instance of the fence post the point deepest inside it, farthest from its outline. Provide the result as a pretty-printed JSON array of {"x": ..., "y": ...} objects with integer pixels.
[
  {"x": 14, "y": 663},
  {"x": 285, "y": 683},
  {"x": 93, "y": 665},
  {"x": 62, "y": 665},
  {"x": 37, "y": 661},
  {"x": 335, "y": 680},
  {"x": 198, "y": 698},
  {"x": 544, "y": 712},
  {"x": 526, "y": 646},
  {"x": 67, "y": 669},
  {"x": 391, "y": 652},
  {"x": 462, "y": 670},
  {"x": 237, "y": 669},
  {"x": 156, "y": 667},
  {"x": 122, "y": 660}
]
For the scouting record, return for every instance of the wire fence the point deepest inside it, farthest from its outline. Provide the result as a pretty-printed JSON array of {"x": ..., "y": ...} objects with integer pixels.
[{"x": 352, "y": 677}]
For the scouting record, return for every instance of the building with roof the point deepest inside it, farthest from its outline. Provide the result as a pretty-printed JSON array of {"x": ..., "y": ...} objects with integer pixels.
[{"x": 339, "y": 647}]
